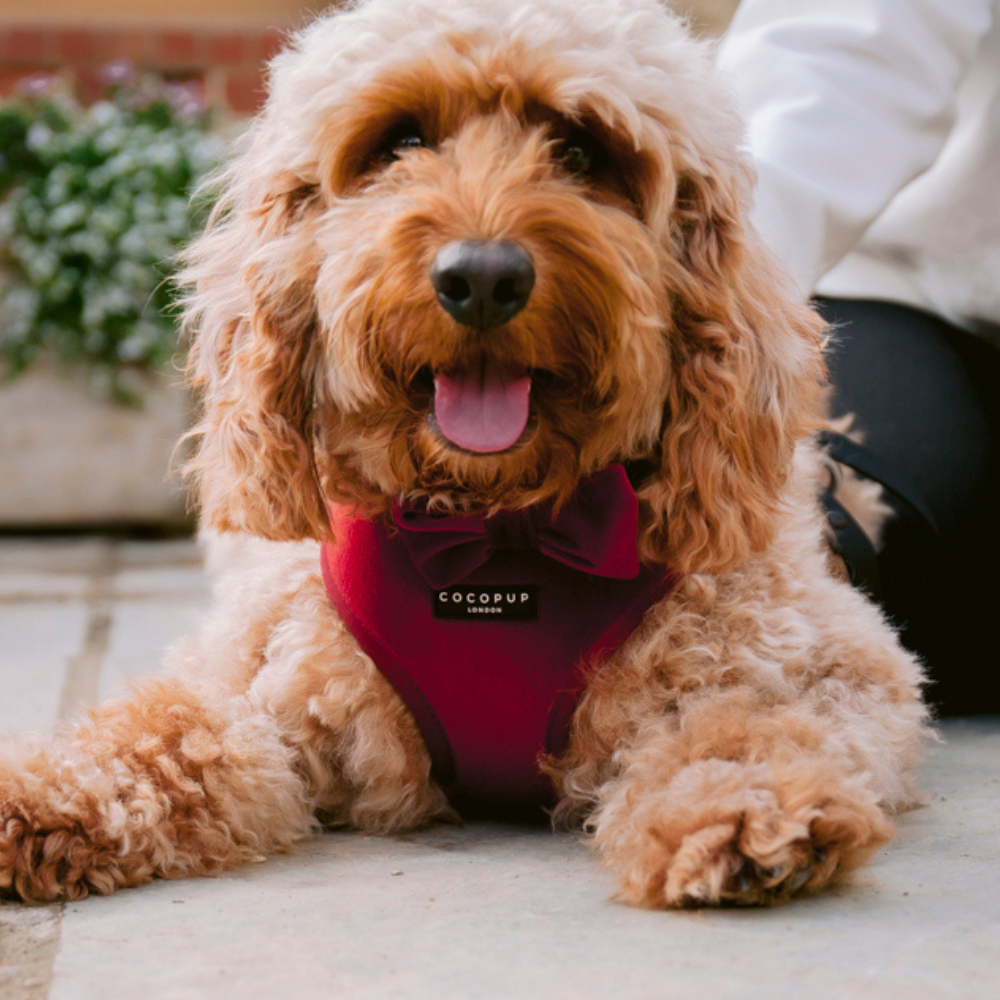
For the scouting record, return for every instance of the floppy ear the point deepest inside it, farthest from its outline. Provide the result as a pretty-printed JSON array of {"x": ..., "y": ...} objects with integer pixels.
[
  {"x": 250, "y": 309},
  {"x": 745, "y": 384}
]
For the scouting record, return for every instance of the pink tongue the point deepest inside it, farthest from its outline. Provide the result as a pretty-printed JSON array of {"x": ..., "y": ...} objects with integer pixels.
[{"x": 484, "y": 408}]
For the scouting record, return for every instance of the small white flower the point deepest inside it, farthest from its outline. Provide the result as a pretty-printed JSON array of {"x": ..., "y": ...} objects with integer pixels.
[
  {"x": 38, "y": 137},
  {"x": 64, "y": 285},
  {"x": 40, "y": 265},
  {"x": 8, "y": 221},
  {"x": 20, "y": 307},
  {"x": 68, "y": 216},
  {"x": 103, "y": 113},
  {"x": 132, "y": 275}
]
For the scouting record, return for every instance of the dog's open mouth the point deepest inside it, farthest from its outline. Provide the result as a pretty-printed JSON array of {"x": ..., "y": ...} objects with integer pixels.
[{"x": 483, "y": 408}]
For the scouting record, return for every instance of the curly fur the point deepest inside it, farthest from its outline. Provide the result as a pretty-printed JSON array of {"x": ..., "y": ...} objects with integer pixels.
[{"x": 753, "y": 737}]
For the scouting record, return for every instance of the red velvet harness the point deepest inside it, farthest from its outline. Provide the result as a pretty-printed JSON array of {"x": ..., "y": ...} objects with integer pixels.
[{"x": 531, "y": 612}]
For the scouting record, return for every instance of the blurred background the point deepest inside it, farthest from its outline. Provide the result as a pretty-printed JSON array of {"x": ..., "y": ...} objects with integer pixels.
[{"x": 110, "y": 113}]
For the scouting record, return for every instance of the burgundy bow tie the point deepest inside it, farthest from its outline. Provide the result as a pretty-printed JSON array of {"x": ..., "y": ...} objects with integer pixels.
[{"x": 594, "y": 532}]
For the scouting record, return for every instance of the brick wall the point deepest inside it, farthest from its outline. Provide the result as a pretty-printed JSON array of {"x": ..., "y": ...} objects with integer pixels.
[
  {"x": 228, "y": 56},
  {"x": 229, "y": 59}
]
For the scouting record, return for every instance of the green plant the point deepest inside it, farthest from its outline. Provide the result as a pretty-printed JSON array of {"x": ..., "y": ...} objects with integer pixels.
[{"x": 94, "y": 203}]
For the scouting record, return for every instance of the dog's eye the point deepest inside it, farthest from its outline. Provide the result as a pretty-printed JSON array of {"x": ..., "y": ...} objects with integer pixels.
[
  {"x": 412, "y": 140},
  {"x": 400, "y": 140},
  {"x": 580, "y": 153}
]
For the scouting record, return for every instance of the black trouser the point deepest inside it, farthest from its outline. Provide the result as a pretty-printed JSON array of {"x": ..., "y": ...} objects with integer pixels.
[{"x": 926, "y": 396}]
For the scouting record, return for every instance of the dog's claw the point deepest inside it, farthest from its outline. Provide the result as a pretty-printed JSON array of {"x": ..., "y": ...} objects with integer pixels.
[
  {"x": 743, "y": 880},
  {"x": 799, "y": 879}
]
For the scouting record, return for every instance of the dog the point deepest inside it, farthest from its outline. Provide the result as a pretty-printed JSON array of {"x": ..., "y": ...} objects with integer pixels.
[{"x": 484, "y": 270}]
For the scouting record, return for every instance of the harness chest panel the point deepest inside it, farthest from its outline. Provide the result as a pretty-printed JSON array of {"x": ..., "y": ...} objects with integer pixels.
[{"x": 494, "y": 684}]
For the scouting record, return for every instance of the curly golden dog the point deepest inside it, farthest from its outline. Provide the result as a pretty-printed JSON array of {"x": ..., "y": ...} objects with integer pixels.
[{"x": 485, "y": 267}]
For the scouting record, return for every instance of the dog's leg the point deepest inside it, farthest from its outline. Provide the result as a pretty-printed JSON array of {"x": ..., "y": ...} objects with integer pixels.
[
  {"x": 271, "y": 714},
  {"x": 755, "y": 755},
  {"x": 684, "y": 825},
  {"x": 359, "y": 748},
  {"x": 164, "y": 782}
]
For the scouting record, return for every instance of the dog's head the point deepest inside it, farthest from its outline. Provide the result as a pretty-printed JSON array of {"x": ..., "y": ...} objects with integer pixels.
[{"x": 477, "y": 250}]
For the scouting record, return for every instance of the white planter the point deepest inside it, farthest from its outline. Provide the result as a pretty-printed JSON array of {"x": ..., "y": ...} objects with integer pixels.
[{"x": 68, "y": 459}]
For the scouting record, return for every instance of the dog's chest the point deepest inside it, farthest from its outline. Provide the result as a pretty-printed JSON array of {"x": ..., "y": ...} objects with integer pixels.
[{"x": 491, "y": 667}]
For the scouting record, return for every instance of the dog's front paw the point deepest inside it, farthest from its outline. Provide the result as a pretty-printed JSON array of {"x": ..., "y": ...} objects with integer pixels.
[
  {"x": 757, "y": 857},
  {"x": 728, "y": 833}
]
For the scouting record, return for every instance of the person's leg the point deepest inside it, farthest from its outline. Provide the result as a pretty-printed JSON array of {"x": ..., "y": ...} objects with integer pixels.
[{"x": 925, "y": 398}]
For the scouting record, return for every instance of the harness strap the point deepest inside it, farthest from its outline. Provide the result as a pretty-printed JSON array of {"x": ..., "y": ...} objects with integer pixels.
[
  {"x": 853, "y": 546},
  {"x": 842, "y": 449},
  {"x": 850, "y": 542}
]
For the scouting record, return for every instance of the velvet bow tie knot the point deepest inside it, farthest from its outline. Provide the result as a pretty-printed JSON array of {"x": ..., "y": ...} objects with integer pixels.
[{"x": 595, "y": 532}]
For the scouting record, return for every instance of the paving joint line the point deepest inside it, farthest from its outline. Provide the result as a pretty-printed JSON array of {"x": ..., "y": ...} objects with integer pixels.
[
  {"x": 29, "y": 944},
  {"x": 83, "y": 675}
]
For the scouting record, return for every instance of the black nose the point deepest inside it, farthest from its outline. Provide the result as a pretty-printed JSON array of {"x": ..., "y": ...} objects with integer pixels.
[{"x": 483, "y": 284}]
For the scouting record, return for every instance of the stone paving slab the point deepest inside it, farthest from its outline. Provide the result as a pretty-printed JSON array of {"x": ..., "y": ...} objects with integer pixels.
[
  {"x": 41, "y": 640},
  {"x": 482, "y": 911},
  {"x": 142, "y": 624}
]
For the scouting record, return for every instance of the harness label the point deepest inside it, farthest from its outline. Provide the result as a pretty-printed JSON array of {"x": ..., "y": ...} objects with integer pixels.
[{"x": 488, "y": 602}]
